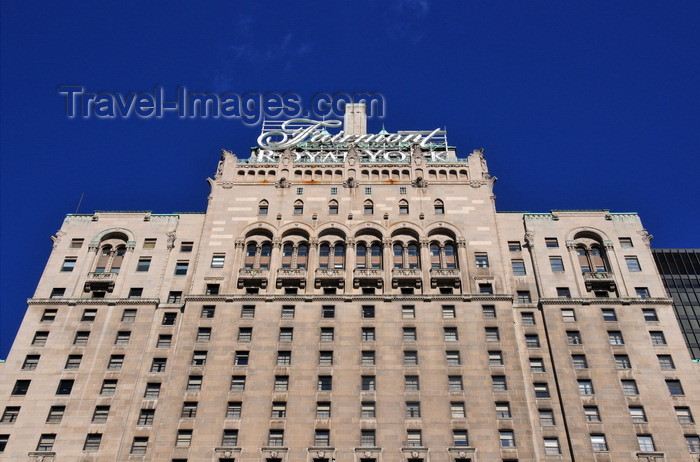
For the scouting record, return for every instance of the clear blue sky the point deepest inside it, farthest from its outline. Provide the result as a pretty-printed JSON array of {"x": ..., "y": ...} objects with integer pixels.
[{"x": 579, "y": 105}]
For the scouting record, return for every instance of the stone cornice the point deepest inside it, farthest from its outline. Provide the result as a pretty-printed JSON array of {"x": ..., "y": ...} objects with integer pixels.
[
  {"x": 93, "y": 301},
  {"x": 607, "y": 301}
]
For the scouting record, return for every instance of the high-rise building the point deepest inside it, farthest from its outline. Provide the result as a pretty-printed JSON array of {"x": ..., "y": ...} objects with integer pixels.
[
  {"x": 680, "y": 272},
  {"x": 350, "y": 297}
]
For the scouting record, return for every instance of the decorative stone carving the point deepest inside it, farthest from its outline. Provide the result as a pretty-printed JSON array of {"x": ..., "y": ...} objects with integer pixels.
[
  {"x": 351, "y": 182},
  {"x": 419, "y": 182},
  {"x": 57, "y": 237},
  {"x": 475, "y": 183},
  {"x": 171, "y": 239},
  {"x": 646, "y": 237},
  {"x": 283, "y": 183},
  {"x": 530, "y": 239}
]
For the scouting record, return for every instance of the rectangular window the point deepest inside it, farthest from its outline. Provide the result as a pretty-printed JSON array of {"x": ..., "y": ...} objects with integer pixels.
[
  {"x": 237, "y": 383},
  {"x": 455, "y": 383},
  {"x": 76, "y": 243},
  {"x": 642, "y": 292},
  {"x": 591, "y": 413},
  {"x": 410, "y": 358},
  {"x": 327, "y": 334},
  {"x": 482, "y": 260},
  {"x": 143, "y": 264},
  {"x": 286, "y": 334},
  {"x": 212, "y": 289},
  {"x": 186, "y": 246},
  {"x": 139, "y": 445},
  {"x": 189, "y": 410},
  {"x": 486, "y": 289},
  {"x": 152, "y": 390},
  {"x": 637, "y": 414},
  {"x": 325, "y": 358},
  {"x": 217, "y": 261},
  {"x": 408, "y": 311},
  {"x": 563, "y": 292},
  {"x": 101, "y": 414},
  {"x": 492, "y": 334},
  {"x": 412, "y": 383},
  {"x": 30, "y": 362},
  {"x": 181, "y": 268},
  {"x": 334, "y": 191},
  {"x": 281, "y": 383},
  {"x": 488, "y": 311},
  {"x": 518, "y": 267},
  {"x": 585, "y": 387},
  {"x": 233, "y": 410},
  {"x": 325, "y": 383},
  {"x": 609, "y": 314},
  {"x": 629, "y": 387},
  {"x": 368, "y": 334},
  {"x": 451, "y": 334},
  {"x": 666, "y": 362},
  {"x": 149, "y": 243},
  {"x": 551, "y": 242},
  {"x": 414, "y": 438},
  {"x": 368, "y": 410},
  {"x": 368, "y": 190},
  {"x": 409, "y": 334},
  {"x": 412, "y": 409},
  {"x": 92, "y": 442},
  {"x": 57, "y": 292},
  {"x": 626, "y": 242},
  {"x": 73, "y": 361},
  {"x": 328, "y": 312},
  {"x": 568, "y": 315},
  {"x": 279, "y": 410},
  {"x": 402, "y": 190},
  {"x": 46, "y": 442},
  {"x": 633, "y": 264},
  {"x": 368, "y": 311},
  {"x": 129, "y": 315},
  {"x": 194, "y": 383},
  {"x": 599, "y": 443},
  {"x": 615, "y": 337},
  {"x": 557, "y": 264},
  {"x": 524, "y": 296},
  {"x": 229, "y": 438},
  {"x": 322, "y": 438},
  {"x": 136, "y": 292},
  {"x": 184, "y": 439},
  {"x": 158, "y": 364},
  {"x": 684, "y": 415},
  {"x": 207, "y": 312},
  {"x": 650, "y": 315},
  {"x": 164, "y": 341},
  {"x": 546, "y": 417},
  {"x": 56, "y": 414},
  {"x": 284, "y": 358},
  {"x": 300, "y": 191},
  {"x": 693, "y": 443},
  {"x": 498, "y": 383},
  {"x": 507, "y": 438},
  {"x": 448, "y": 312},
  {"x": 287, "y": 312},
  {"x": 199, "y": 358},
  {"x": 674, "y": 387},
  {"x": 623, "y": 362},
  {"x": 503, "y": 410},
  {"x": 109, "y": 386},
  {"x": 12, "y": 412},
  {"x": 40, "y": 338},
  {"x": 89, "y": 315},
  {"x": 68, "y": 264},
  {"x": 248, "y": 312},
  {"x": 453, "y": 358},
  {"x": 579, "y": 361},
  {"x": 495, "y": 358},
  {"x": 514, "y": 246},
  {"x": 323, "y": 410},
  {"x": 528, "y": 318},
  {"x": 276, "y": 438},
  {"x": 541, "y": 390},
  {"x": 367, "y": 438},
  {"x": 657, "y": 338},
  {"x": 49, "y": 315},
  {"x": 367, "y": 358},
  {"x": 174, "y": 296},
  {"x": 551, "y": 446},
  {"x": 457, "y": 410},
  {"x": 369, "y": 383},
  {"x": 573, "y": 337},
  {"x": 532, "y": 341},
  {"x": 204, "y": 334},
  {"x": 65, "y": 387},
  {"x": 460, "y": 438},
  {"x": 536, "y": 365}
]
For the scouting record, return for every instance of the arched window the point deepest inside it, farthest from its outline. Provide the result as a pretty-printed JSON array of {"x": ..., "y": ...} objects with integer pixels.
[
  {"x": 403, "y": 207},
  {"x": 257, "y": 255},
  {"x": 450, "y": 260},
  {"x": 339, "y": 256},
  {"x": 398, "y": 256},
  {"x": 250, "y": 254},
  {"x": 443, "y": 255},
  {"x": 298, "y": 207},
  {"x": 368, "y": 207},
  {"x": 361, "y": 255},
  {"x": 111, "y": 257},
  {"x": 376, "y": 256},
  {"x": 262, "y": 207},
  {"x": 302, "y": 256},
  {"x": 434, "y": 255},
  {"x": 324, "y": 252},
  {"x": 439, "y": 207},
  {"x": 287, "y": 253},
  {"x": 295, "y": 256},
  {"x": 413, "y": 256},
  {"x": 333, "y": 207},
  {"x": 265, "y": 252},
  {"x": 591, "y": 259}
]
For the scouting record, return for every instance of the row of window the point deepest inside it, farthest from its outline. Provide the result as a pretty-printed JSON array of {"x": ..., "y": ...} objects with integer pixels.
[
  {"x": 148, "y": 243},
  {"x": 553, "y": 242},
  {"x": 367, "y": 207}
]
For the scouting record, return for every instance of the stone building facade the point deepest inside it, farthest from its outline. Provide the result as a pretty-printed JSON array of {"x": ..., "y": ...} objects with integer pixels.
[{"x": 350, "y": 300}]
